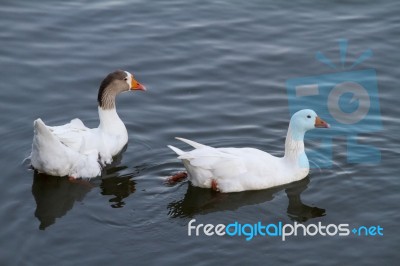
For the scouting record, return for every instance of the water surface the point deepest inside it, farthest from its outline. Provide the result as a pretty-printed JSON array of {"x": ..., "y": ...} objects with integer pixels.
[{"x": 216, "y": 73}]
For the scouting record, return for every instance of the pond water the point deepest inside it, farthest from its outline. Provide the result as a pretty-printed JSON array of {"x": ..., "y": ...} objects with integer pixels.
[{"x": 216, "y": 73}]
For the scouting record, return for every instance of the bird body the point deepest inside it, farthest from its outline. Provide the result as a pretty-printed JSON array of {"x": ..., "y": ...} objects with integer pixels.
[
  {"x": 78, "y": 151},
  {"x": 240, "y": 169}
]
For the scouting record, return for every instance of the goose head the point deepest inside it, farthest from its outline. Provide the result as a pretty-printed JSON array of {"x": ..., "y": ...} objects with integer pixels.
[
  {"x": 305, "y": 120},
  {"x": 115, "y": 83}
]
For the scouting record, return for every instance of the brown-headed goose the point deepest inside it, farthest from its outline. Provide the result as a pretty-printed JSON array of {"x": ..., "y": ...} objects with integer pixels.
[{"x": 77, "y": 151}]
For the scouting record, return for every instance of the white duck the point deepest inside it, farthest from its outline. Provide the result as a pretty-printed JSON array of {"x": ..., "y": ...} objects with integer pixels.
[
  {"x": 240, "y": 169},
  {"x": 77, "y": 151}
]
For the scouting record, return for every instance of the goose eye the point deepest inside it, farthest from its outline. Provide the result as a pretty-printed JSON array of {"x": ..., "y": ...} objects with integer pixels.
[
  {"x": 309, "y": 116},
  {"x": 125, "y": 79}
]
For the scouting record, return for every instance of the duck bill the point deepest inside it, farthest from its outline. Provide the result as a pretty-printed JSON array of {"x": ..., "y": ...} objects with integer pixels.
[
  {"x": 137, "y": 86},
  {"x": 319, "y": 123}
]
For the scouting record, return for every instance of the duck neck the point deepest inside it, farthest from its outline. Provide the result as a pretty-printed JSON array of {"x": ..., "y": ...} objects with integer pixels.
[
  {"x": 110, "y": 121},
  {"x": 106, "y": 98},
  {"x": 294, "y": 145}
]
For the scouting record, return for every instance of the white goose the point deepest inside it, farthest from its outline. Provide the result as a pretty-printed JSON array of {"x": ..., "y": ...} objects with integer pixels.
[
  {"x": 240, "y": 169},
  {"x": 77, "y": 151}
]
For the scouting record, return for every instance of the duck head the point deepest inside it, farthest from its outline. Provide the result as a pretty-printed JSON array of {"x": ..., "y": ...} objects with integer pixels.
[
  {"x": 305, "y": 120},
  {"x": 115, "y": 83}
]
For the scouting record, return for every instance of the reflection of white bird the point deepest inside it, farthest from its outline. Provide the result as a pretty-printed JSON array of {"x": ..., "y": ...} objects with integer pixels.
[
  {"x": 77, "y": 151},
  {"x": 239, "y": 169}
]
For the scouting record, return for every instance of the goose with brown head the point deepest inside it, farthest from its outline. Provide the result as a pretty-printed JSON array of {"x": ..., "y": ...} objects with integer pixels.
[{"x": 78, "y": 151}]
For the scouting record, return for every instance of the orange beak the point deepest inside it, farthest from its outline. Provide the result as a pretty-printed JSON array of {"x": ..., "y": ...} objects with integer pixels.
[
  {"x": 137, "y": 86},
  {"x": 319, "y": 123}
]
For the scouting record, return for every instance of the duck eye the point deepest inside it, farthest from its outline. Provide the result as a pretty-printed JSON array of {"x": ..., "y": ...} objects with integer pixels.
[
  {"x": 125, "y": 79},
  {"x": 309, "y": 116}
]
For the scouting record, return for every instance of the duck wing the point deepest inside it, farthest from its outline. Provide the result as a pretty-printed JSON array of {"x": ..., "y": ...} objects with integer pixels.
[
  {"x": 50, "y": 155},
  {"x": 207, "y": 165},
  {"x": 230, "y": 169},
  {"x": 72, "y": 134},
  {"x": 220, "y": 163}
]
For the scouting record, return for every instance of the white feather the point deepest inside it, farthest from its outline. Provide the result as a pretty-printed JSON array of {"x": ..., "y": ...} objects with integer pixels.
[
  {"x": 75, "y": 150},
  {"x": 239, "y": 169}
]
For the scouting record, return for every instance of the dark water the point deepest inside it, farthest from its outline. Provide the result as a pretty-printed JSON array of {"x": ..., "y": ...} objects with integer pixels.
[{"x": 216, "y": 73}]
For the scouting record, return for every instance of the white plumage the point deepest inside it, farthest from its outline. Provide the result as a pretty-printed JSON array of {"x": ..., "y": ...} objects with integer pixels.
[
  {"x": 75, "y": 150},
  {"x": 240, "y": 169}
]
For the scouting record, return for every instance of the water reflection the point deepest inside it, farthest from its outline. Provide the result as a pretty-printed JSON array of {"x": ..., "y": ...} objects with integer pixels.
[
  {"x": 120, "y": 187},
  {"x": 55, "y": 196},
  {"x": 202, "y": 201}
]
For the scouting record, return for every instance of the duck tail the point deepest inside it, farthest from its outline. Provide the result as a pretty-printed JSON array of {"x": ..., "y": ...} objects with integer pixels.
[
  {"x": 191, "y": 143},
  {"x": 176, "y": 150},
  {"x": 40, "y": 129},
  {"x": 43, "y": 137}
]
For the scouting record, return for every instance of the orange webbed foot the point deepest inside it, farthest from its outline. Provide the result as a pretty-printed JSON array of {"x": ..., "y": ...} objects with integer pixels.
[
  {"x": 176, "y": 178},
  {"x": 214, "y": 185}
]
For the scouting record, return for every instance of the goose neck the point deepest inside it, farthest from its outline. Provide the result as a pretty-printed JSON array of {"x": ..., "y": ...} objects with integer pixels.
[
  {"x": 294, "y": 144},
  {"x": 110, "y": 121}
]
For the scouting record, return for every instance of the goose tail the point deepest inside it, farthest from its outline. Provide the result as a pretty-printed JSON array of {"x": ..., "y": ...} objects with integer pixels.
[
  {"x": 176, "y": 150},
  {"x": 45, "y": 146},
  {"x": 191, "y": 143},
  {"x": 43, "y": 134}
]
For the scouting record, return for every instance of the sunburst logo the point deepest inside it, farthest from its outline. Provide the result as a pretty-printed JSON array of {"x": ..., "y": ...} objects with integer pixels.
[{"x": 348, "y": 99}]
